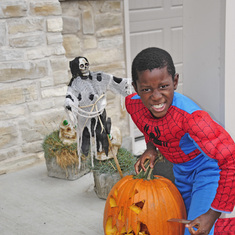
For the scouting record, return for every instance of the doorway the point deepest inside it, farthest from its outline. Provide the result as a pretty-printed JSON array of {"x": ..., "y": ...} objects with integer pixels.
[{"x": 153, "y": 23}]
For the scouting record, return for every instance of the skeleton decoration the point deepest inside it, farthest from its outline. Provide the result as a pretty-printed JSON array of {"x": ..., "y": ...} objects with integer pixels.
[{"x": 85, "y": 103}]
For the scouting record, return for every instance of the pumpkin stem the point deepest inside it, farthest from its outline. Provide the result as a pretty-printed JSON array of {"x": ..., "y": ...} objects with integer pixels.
[
  {"x": 145, "y": 165},
  {"x": 148, "y": 174}
]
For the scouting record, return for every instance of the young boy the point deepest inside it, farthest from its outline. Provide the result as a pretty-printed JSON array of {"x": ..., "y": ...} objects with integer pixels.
[{"x": 202, "y": 152}]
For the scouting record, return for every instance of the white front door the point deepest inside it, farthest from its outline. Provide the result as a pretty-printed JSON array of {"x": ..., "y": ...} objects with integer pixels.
[{"x": 153, "y": 23}]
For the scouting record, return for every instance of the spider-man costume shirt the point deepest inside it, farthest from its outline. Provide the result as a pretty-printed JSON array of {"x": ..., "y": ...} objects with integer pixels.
[{"x": 186, "y": 132}]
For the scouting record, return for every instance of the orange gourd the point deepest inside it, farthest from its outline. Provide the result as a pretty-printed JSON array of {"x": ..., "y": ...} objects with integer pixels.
[{"x": 139, "y": 206}]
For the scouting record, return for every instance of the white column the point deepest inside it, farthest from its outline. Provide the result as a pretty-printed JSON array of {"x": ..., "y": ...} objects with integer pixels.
[{"x": 230, "y": 68}]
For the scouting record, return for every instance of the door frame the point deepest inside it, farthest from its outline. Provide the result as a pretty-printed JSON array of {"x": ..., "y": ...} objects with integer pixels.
[
  {"x": 229, "y": 68},
  {"x": 136, "y": 148}
]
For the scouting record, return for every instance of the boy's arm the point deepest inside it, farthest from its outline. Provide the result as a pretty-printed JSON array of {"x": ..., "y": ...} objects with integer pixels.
[
  {"x": 213, "y": 141},
  {"x": 203, "y": 223}
]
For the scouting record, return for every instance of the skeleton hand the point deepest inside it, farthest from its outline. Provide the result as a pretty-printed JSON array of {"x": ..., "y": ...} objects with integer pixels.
[{"x": 71, "y": 105}]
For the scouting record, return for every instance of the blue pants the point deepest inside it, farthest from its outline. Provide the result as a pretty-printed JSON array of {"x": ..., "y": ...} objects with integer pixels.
[{"x": 197, "y": 181}]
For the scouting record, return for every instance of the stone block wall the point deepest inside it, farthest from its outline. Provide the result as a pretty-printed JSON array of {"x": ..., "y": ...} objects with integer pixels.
[{"x": 38, "y": 38}]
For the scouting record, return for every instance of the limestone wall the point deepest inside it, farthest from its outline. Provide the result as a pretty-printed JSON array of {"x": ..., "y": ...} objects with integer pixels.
[{"x": 38, "y": 38}]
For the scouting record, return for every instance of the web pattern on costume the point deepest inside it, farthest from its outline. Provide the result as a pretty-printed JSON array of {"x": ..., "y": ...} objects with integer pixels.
[
  {"x": 225, "y": 226},
  {"x": 168, "y": 135}
]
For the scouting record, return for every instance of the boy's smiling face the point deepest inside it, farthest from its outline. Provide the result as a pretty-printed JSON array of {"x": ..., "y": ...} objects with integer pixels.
[{"x": 156, "y": 90}]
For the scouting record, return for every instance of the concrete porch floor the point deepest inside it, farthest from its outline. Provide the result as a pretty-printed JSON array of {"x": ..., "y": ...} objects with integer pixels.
[{"x": 31, "y": 203}]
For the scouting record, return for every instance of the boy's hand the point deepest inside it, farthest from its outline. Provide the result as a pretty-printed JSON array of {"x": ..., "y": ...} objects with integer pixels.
[
  {"x": 151, "y": 154},
  {"x": 203, "y": 223}
]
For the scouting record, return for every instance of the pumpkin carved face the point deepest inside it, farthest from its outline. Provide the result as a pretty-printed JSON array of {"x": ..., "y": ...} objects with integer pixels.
[{"x": 138, "y": 207}]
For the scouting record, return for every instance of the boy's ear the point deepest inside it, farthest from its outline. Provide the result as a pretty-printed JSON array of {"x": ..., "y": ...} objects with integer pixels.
[
  {"x": 135, "y": 87},
  {"x": 176, "y": 80}
]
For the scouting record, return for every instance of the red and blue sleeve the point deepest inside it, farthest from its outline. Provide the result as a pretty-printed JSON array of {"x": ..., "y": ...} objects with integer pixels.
[{"x": 213, "y": 141}]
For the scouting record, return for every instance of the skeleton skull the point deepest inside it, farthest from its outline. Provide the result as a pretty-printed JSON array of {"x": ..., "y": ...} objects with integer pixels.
[
  {"x": 67, "y": 133},
  {"x": 84, "y": 66}
]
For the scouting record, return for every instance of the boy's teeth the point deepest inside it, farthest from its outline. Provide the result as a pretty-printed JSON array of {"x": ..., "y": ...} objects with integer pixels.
[{"x": 158, "y": 106}]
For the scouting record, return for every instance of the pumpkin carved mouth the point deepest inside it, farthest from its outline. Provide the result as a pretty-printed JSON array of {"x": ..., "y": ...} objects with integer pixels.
[
  {"x": 113, "y": 230},
  {"x": 137, "y": 208}
]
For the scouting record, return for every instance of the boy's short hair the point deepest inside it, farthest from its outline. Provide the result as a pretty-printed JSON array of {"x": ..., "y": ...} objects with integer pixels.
[{"x": 151, "y": 58}]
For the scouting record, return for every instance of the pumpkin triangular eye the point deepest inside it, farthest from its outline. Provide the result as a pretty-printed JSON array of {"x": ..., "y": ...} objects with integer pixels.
[
  {"x": 133, "y": 193},
  {"x": 112, "y": 202},
  {"x": 137, "y": 207}
]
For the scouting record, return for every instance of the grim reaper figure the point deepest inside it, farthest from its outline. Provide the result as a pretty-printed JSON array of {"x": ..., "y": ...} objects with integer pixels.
[{"x": 85, "y": 103}]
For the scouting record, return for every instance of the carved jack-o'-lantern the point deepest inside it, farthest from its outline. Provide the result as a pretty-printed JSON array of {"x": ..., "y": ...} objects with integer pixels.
[
  {"x": 138, "y": 206},
  {"x": 67, "y": 133}
]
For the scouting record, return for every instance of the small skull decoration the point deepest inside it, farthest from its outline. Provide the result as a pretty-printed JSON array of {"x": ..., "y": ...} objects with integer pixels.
[{"x": 67, "y": 133}]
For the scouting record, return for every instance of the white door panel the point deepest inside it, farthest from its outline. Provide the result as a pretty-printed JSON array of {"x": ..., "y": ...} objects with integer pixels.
[
  {"x": 177, "y": 3},
  {"x": 154, "y": 23},
  {"x": 140, "y": 4},
  {"x": 144, "y": 40}
]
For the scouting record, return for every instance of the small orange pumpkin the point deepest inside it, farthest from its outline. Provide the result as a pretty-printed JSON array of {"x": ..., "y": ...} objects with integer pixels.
[{"x": 139, "y": 206}]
